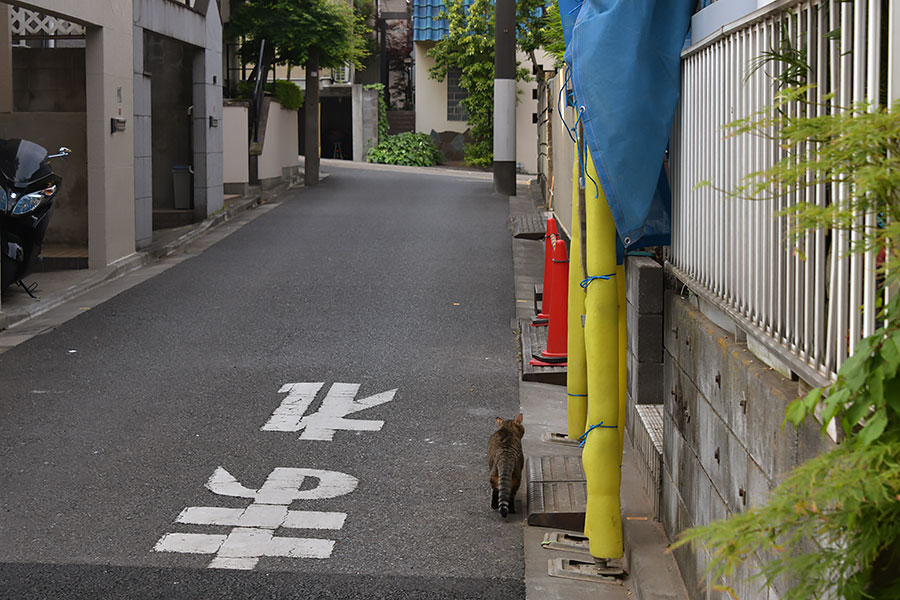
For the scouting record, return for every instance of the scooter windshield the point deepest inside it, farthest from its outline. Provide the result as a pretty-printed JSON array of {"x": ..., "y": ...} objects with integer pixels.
[{"x": 23, "y": 162}]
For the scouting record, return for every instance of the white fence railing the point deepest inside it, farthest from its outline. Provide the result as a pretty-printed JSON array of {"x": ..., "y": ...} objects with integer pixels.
[
  {"x": 807, "y": 301},
  {"x": 27, "y": 23}
]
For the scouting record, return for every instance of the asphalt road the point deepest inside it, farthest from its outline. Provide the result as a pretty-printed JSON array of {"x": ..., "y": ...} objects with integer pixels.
[{"x": 116, "y": 422}]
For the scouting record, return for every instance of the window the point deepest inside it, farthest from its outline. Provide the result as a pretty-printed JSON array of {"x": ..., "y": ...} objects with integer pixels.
[{"x": 455, "y": 93}]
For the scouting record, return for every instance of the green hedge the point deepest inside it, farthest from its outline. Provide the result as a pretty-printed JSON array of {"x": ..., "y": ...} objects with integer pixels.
[
  {"x": 413, "y": 149},
  {"x": 286, "y": 92}
]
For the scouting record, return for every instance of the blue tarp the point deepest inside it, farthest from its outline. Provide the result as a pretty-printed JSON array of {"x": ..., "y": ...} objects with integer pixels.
[{"x": 624, "y": 57}]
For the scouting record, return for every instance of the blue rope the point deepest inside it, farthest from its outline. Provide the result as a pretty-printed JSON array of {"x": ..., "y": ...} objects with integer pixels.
[
  {"x": 559, "y": 109},
  {"x": 586, "y": 282},
  {"x": 572, "y": 131},
  {"x": 581, "y": 163},
  {"x": 577, "y": 395},
  {"x": 583, "y": 438},
  {"x": 577, "y": 8},
  {"x": 586, "y": 150}
]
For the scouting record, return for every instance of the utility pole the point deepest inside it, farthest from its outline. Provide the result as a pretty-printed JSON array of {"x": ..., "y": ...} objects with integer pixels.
[
  {"x": 311, "y": 121},
  {"x": 505, "y": 97}
]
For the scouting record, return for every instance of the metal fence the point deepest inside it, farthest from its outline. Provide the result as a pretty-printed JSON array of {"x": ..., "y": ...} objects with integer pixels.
[{"x": 806, "y": 301}]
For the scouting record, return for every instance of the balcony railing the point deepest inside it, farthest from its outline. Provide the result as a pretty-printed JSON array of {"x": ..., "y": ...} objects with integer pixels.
[
  {"x": 808, "y": 302},
  {"x": 27, "y": 24}
]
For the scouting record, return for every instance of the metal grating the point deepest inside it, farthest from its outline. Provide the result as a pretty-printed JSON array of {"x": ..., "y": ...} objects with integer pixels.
[
  {"x": 529, "y": 227},
  {"x": 652, "y": 417},
  {"x": 648, "y": 444}
]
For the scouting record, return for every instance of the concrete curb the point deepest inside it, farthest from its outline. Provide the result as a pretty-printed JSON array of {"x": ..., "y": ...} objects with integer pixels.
[
  {"x": 653, "y": 571},
  {"x": 125, "y": 265}
]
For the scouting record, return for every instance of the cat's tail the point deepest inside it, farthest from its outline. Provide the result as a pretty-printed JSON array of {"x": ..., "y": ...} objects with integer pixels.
[{"x": 504, "y": 485}]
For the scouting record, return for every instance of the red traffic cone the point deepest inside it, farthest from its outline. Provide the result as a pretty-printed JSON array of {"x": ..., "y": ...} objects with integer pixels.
[
  {"x": 552, "y": 235},
  {"x": 556, "y": 352}
]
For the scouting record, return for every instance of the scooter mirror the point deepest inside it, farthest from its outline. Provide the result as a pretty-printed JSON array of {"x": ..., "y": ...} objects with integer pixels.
[{"x": 63, "y": 152}]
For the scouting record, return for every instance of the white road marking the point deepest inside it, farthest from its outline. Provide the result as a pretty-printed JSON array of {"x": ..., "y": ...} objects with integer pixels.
[
  {"x": 192, "y": 543},
  {"x": 283, "y": 485},
  {"x": 262, "y": 516},
  {"x": 287, "y": 416},
  {"x": 253, "y": 528},
  {"x": 339, "y": 402}
]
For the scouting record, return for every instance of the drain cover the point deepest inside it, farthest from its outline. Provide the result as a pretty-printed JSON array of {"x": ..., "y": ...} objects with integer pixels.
[
  {"x": 566, "y": 542},
  {"x": 557, "y": 493},
  {"x": 586, "y": 571}
]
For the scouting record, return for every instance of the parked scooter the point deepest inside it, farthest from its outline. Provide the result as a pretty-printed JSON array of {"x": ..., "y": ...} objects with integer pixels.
[{"x": 27, "y": 188}]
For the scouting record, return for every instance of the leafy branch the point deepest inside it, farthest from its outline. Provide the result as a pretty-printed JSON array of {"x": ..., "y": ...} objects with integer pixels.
[{"x": 832, "y": 528}]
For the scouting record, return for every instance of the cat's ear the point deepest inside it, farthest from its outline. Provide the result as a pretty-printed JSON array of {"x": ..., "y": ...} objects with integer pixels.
[
  {"x": 499, "y": 422},
  {"x": 519, "y": 419}
]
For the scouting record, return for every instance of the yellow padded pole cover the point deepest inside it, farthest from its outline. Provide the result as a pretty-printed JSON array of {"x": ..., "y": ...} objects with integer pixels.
[
  {"x": 576, "y": 370},
  {"x": 623, "y": 356},
  {"x": 600, "y": 457}
]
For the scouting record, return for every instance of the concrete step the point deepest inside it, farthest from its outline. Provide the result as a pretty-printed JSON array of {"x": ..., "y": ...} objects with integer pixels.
[
  {"x": 167, "y": 219},
  {"x": 63, "y": 257},
  {"x": 400, "y": 121},
  {"x": 556, "y": 492}
]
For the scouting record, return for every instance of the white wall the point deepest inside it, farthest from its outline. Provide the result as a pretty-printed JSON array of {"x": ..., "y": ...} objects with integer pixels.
[
  {"x": 711, "y": 19},
  {"x": 431, "y": 96},
  {"x": 526, "y": 107},
  {"x": 280, "y": 148},
  {"x": 563, "y": 150},
  {"x": 431, "y": 106},
  {"x": 109, "y": 89},
  {"x": 234, "y": 131}
]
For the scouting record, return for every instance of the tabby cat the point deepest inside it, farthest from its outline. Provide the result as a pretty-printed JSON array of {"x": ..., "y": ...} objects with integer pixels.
[{"x": 506, "y": 460}]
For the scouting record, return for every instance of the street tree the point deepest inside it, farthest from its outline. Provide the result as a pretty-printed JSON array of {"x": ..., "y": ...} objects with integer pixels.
[
  {"x": 314, "y": 33},
  {"x": 469, "y": 46}
]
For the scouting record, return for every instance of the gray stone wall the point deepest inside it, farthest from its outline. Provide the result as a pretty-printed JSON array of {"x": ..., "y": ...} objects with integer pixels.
[
  {"x": 724, "y": 445},
  {"x": 169, "y": 65},
  {"x": 369, "y": 101},
  {"x": 143, "y": 148},
  {"x": 49, "y": 80}
]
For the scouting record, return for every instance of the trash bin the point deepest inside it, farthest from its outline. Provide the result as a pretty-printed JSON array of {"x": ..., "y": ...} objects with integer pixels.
[{"x": 182, "y": 186}]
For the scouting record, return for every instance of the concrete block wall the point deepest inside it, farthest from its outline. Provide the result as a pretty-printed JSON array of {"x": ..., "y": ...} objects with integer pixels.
[
  {"x": 644, "y": 381},
  {"x": 644, "y": 322},
  {"x": 724, "y": 445}
]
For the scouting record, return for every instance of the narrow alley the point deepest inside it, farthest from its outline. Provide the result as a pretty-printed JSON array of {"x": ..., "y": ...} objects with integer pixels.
[{"x": 312, "y": 396}]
